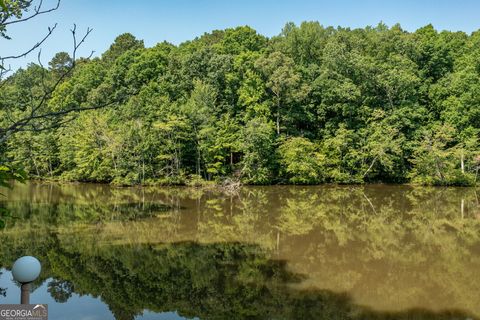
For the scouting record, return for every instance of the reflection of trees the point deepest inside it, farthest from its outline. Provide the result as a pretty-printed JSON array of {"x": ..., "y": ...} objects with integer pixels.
[
  {"x": 388, "y": 247},
  {"x": 3, "y": 291},
  {"x": 60, "y": 290},
  {"x": 48, "y": 209},
  {"x": 209, "y": 281},
  {"x": 401, "y": 248}
]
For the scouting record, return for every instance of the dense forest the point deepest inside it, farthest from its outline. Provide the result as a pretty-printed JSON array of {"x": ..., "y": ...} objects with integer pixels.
[{"x": 312, "y": 105}]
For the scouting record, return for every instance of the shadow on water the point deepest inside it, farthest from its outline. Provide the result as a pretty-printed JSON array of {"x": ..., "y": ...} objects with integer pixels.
[{"x": 208, "y": 281}]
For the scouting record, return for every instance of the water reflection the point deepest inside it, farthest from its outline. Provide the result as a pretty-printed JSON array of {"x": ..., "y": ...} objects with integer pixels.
[{"x": 373, "y": 252}]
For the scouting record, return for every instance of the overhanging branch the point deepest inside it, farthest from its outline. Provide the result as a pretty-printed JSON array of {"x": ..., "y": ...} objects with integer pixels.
[{"x": 37, "y": 11}]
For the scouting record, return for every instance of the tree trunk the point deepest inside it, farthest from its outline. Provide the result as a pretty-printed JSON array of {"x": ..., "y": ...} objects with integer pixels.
[
  {"x": 370, "y": 168},
  {"x": 199, "y": 154},
  {"x": 50, "y": 169},
  {"x": 462, "y": 205},
  {"x": 462, "y": 162},
  {"x": 114, "y": 163},
  {"x": 278, "y": 241},
  {"x": 198, "y": 162},
  {"x": 278, "y": 122},
  {"x": 278, "y": 117},
  {"x": 36, "y": 167},
  {"x": 438, "y": 169}
]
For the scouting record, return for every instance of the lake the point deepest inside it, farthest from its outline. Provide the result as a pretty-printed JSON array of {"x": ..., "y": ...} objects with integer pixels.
[{"x": 275, "y": 252}]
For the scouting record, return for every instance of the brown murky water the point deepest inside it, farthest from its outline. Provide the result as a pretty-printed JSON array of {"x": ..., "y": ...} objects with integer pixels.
[{"x": 283, "y": 252}]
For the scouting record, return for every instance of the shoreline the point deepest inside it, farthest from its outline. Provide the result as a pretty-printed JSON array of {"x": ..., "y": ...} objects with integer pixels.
[{"x": 206, "y": 185}]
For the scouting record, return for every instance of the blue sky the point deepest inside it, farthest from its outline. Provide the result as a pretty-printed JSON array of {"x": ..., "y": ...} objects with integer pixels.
[{"x": 179, "y": 20}]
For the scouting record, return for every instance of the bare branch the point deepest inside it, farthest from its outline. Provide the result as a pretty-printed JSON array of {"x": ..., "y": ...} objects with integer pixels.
[
  {"x": 91, "y": 54},
  {"x": 38, "y": 44},
  {"x": 39, "y": 59},
  {"x": 55, "y": 125},
  {"x": 28, "y": 122},
  {"x": 77, "y": 45},
  {"x": 37, "y": 11},
  {"x": 3, "y": 72},
  {"x": 26, "y": 125}
]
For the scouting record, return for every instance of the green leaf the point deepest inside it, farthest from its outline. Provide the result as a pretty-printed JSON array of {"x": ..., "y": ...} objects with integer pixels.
[
  {"x": 3, "y": 5},
  {"x": 4, "y": 212}
]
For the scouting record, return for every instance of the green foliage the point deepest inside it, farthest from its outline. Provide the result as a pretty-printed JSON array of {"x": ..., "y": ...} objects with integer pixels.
[
  {"x": 257, "y": 142},
  {"x": 88, "y": 149},
  {"x": 301, "y": 161},
  {"x": 8, "y": 174},
  {"x": 9, "y": 9},
  {"x": 281, "y": 79},
  {"x": 121, "y": 44},
  {"x": 382, "y": 147},
  {"x": 241, "y": 39},
  {"x": 3, "y": 5},
  {"x": 436, "y": 161},
  {"x": 341, "y": 156},
  {"x": 313, "y": 104}
]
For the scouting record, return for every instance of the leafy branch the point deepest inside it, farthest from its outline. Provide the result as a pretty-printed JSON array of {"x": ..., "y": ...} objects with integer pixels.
[{"x": 38, "y": 110}]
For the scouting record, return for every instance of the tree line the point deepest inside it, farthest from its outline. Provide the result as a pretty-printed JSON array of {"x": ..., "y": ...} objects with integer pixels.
[{"x": 312, "y": 105}]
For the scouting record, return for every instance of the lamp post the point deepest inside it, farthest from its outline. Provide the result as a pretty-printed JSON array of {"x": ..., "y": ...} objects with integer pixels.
[{"x": 25, "y": 270}]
